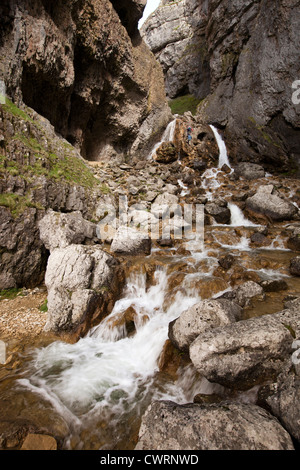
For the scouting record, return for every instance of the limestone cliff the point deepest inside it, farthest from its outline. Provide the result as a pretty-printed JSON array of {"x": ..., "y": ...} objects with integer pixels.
[
  {"x": 83, "y": 66},
  {"x": 253, "y": 57},
  {"x": 175, "y": 33}
]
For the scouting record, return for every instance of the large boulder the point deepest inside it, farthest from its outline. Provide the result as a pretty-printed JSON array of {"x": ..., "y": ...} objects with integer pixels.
[
  {"x": 131, "y": 241},
  {"x": 202, "y": 316},
  {"x": 58, "y": 230},
  {"x": 244, "y": 293},
  {"x": 83, "y": 282},
  {"x": 249, "y": 171},
  {"x": 295, "y": 266},
  {"x": 221, "y": 214},
  {"x": 243, "y": 354},
  {"x": 270, "y": 204},
  {"x": 225, "y": 426}
]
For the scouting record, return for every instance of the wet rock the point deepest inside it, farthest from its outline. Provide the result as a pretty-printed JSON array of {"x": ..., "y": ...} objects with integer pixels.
[
  {"x": 82, "y": 284},
  {"x": 271, "y": 205},
  {"x": 293, "y": 242},
  {"x": 221, "y": 215},
  {"x": 226, "y": 261},
  {"x": 165, "y": 242},
  {"x": 39, "y": 442},
  {"x": 274, "y": 285},
  {"x": 130, "y": 241},
  {"x": 207, "y": 314},
  {"x": 295, "y": 266},
  {"x": 199, "y": 166},
  {"x": 166, "y": 153},
  {"x": 58, "y": 230},
  {"x": 242, "y": 354},
  {"x": 169, "y": 426},
  {"x": 244, "y": 293},
  {"x": 249, "y": 171},
  {"x": 259, "y": 239}
]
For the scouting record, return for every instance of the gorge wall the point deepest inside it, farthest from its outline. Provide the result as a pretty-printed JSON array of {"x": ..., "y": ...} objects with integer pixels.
[
  {"x": 83, "y": 66},
  {"x": 244, "y": 57}
]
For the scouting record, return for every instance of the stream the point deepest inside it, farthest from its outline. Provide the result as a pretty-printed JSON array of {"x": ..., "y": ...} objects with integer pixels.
[{"x": 96, "y": 390}]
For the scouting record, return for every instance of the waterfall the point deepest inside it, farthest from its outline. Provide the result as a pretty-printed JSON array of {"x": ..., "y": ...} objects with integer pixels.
[
  {"x": 110, "y": 373},
  {"x": 237, "y": 217},
  {"x": 168, "y": 136},
  {"x": 223, "y": 157}
]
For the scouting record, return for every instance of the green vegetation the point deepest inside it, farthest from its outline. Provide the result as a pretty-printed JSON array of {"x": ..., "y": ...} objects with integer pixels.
[
  {"x": 182, "y": 104},
  {"x": 15, "y": 111},
  {"x": 10, "y": 293},
  {"x": 31, "y": 152},
  {"x": 16, "y": 203},
  {"x": 44, "y": 306}
]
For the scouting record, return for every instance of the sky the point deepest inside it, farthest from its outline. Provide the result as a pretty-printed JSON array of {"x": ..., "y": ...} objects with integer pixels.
[{"x": 150, "y": 7}]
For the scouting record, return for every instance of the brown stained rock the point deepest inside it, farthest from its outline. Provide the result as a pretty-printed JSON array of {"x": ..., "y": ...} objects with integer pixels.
[{"x": 39, "y": 442}]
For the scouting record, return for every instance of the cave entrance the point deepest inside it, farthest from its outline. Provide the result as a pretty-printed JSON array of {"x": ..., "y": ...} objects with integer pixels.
[{"x": 45, "y": 98}]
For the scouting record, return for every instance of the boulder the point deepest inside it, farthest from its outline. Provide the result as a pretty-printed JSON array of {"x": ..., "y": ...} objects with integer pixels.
[
  {"x": 202, "y": 316},
  {"x": 39, "y": 442},
  {"x": 295, "y": 266},
  {"x": 249, "y": 171},
  {"x": 58, "y": 230},
  {"x": 83, "y": 282},
  {"x": 224, "y": 426},
  {"x": 243, "y": 354},
  {"x": 270, "y": 204},
  {"x": 130, "y": 241},
  {"x": 274, "y": 285},
  {"x": 284, "y": 402},
  {"x": 243, "y": 294},
  {"x": 222, "y": 215},
  {"x": 166, "y": 153}
]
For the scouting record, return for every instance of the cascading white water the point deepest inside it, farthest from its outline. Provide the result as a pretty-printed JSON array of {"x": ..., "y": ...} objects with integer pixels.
[
  {"x": 108, "y": 373},
  {"x": 237, "y": 217},
  {"x": 167, "y": 136},
  {"x": 223, "y": 157}
]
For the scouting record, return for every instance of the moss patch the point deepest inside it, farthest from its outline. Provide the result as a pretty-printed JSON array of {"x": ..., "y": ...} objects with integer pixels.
[
  {"x": 16, "y": 203},
  {"x": 33, "y": 150},
  {"x": 182, "y": 104}
]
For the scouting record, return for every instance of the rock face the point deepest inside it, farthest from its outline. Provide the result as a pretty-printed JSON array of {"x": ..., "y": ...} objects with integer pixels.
[
  {"x": 203, "y": 316},
  {"x": 243, "y": 353},
  {"x": 246, "y": 56},
  {"x": 252, "y": 47},
  {"x": 175, "y": 33},
  {"x": 227, "y": 426},
  {"x": 59, "y": 230},
  {"x": 82, "y": 284},
  {"x": 83, "y": 66},
  {"x": 267, "y": 202}
]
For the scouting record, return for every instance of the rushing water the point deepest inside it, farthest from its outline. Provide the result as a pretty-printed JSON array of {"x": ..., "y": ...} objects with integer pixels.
[
  {"x": 223, "y": 157},
  {"x": 167, "y": 136},
  {"x": 102, "y": 385},
  {"x": 110, "y": 373}
]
